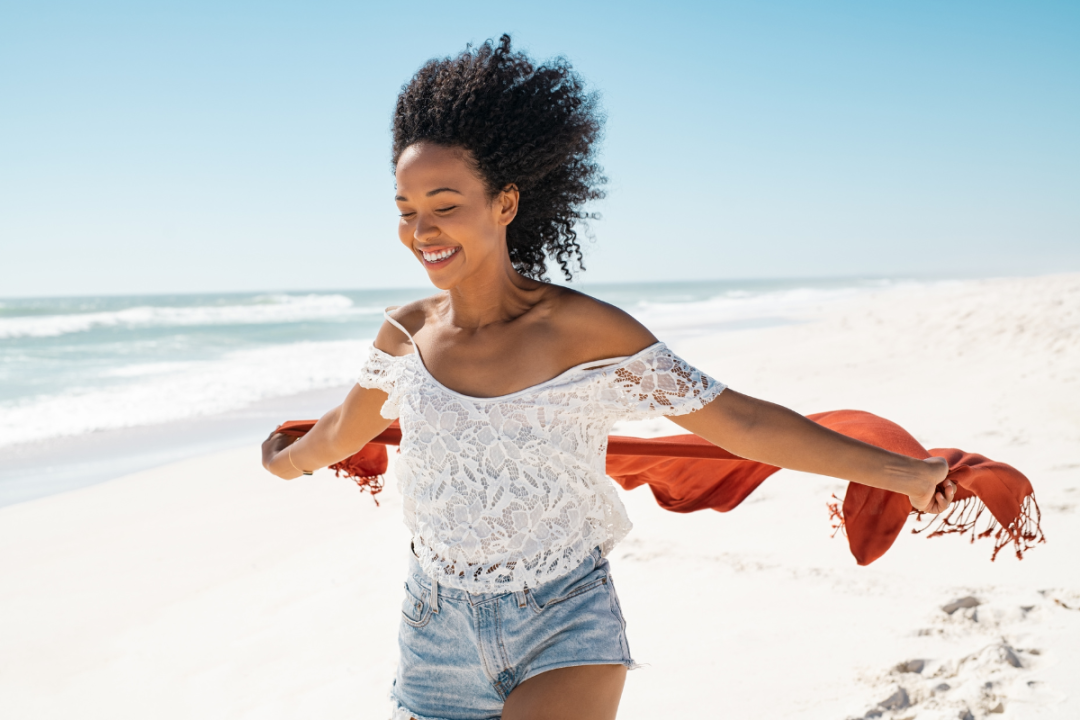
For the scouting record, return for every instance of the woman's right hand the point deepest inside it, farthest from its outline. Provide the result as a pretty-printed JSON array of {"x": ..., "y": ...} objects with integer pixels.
[
  {"x": 272, "y": 448},
  {"x": 337, "y": 435}
]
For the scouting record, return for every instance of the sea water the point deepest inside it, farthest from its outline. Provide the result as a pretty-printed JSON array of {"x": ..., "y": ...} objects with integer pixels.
[{"x": 92, "y": 387}]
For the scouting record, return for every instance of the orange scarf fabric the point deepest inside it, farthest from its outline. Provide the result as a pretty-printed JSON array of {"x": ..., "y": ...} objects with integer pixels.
[{"x": 686, "y": 473}]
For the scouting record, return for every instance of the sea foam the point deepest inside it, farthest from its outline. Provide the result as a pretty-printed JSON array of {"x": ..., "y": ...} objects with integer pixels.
[
  {"x": 264, "y": 309},
  {"x": 183, "y": 390}
]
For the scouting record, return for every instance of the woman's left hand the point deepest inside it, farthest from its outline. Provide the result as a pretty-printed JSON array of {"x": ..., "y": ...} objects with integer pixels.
[{"x": 939, "y": 490}]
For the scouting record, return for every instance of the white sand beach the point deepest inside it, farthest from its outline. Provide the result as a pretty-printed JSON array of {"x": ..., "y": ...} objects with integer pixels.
[{"x": 209, "y": 589}]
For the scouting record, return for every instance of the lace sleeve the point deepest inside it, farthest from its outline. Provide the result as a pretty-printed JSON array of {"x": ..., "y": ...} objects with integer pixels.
[
  {"x": 382, "y": 372},
  {"x": 658, "y": 382}
]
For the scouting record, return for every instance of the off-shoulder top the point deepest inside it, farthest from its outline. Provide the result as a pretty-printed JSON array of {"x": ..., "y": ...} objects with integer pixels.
[{"x": 508, "y": 492}]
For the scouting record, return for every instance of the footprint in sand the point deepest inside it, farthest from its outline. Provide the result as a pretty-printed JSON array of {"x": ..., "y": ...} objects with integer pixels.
[{"x": 992, "y": 666}]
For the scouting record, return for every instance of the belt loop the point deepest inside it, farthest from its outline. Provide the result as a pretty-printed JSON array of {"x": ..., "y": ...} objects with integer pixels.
[{"x": 434, "y": 594}]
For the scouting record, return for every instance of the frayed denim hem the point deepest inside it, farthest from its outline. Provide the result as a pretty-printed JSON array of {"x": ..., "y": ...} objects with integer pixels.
[
  {"x": 400, "y": 712},
  {"x": 628, "y": 664}
]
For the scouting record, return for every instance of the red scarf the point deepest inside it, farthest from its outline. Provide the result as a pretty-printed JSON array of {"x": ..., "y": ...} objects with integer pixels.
[{"x": 687, "y": 473}]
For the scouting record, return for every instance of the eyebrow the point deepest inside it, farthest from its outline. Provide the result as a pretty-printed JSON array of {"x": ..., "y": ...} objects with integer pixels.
[{"x": 436, "y": 191}]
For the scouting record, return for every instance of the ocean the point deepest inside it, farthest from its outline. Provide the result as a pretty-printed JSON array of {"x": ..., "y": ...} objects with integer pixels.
[{"x": 94, "y": 387}]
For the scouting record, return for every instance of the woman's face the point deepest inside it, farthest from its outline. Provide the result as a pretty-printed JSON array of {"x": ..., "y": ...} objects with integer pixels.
[{"x": 447, "y": 219}]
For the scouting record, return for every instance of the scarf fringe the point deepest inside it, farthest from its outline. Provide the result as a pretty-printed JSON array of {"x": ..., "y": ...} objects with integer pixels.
[
  {"x": 836, "y": 516},
  {"x": 963, "y": 518},
  {"x": 367, "y": 483}
]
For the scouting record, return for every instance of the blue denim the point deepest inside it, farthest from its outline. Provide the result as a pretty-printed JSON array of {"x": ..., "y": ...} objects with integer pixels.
[{"x": 461, "y": 661}]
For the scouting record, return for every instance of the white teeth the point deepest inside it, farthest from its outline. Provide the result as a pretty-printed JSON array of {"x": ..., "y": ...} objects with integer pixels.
[{"x": 436, "y": 257}]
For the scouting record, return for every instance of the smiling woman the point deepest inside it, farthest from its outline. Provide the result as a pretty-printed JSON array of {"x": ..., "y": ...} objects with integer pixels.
[
  {"x": 506, "y": 387},
  {"x": 450, "y": 228},
  {"x": 536, "y": 134}
]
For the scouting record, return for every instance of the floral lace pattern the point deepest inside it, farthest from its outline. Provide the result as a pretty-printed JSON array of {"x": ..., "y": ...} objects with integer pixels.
[{"x": 507, "y": 492}]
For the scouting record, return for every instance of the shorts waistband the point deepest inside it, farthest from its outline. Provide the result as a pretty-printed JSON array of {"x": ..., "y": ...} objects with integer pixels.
[{"x": 439, "y": 590}]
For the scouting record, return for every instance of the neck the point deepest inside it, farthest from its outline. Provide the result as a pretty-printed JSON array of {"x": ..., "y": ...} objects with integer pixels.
[{"x": 496, "y": 294}]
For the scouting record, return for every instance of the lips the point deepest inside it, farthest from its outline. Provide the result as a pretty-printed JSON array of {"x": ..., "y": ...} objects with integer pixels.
[{"x": 434, "y": 258}]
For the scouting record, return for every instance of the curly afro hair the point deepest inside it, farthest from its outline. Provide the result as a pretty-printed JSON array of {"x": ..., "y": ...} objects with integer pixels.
[{"x": 531, "y": 126}]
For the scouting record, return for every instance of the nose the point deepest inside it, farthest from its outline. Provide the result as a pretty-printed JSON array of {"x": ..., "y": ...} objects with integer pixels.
[{"x": 425, "y": 230}]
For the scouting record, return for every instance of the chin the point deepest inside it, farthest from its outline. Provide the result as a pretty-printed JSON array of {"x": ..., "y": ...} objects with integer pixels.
[{"x": 442, "y": 282}]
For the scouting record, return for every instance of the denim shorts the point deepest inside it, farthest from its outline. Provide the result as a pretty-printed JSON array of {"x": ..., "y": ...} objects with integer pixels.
[{"x": 461, "y": 659}]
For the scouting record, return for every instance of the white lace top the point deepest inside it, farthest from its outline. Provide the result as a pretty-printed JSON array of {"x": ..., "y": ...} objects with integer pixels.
[{"x": 507, "y": 492}]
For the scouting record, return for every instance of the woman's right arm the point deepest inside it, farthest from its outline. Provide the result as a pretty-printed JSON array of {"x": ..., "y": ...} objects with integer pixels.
[
  {"x": 345, "y": 429},
  {"x": 337, "y": 435}
]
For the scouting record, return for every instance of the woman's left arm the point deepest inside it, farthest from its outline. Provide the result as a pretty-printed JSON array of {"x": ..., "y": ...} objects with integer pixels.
[{"x": 768, "y": 433}]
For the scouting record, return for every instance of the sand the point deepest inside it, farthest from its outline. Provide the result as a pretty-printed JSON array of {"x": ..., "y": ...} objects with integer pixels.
[{"x": 210, "y": 589}]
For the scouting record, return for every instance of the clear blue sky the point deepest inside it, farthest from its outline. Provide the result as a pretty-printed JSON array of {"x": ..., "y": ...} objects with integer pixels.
[{"x": 213, "y": 146}]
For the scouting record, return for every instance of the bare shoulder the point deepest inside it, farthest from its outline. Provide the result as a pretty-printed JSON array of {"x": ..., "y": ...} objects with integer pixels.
[
  {"x": 412, "y": 316},
  {"x": 605, "y": 330}
]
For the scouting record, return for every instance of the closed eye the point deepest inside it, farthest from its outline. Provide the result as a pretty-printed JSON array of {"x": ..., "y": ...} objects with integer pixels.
[{"x": 446, "y": 209}]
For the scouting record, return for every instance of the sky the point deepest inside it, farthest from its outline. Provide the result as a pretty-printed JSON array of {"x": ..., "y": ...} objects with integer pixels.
[{"x": 219, "y": 146}]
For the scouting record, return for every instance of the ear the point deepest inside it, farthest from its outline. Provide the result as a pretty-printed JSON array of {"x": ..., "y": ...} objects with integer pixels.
[{"x": 506, "y": 204}]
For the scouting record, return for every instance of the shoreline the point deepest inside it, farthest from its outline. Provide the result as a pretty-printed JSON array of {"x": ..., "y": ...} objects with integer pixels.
[
  {"x": 40, "y": 468},
  {"x": 57, "y": 465}
]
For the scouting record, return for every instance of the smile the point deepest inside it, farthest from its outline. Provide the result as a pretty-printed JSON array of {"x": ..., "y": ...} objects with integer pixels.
[{"x": 434, "y": 258}]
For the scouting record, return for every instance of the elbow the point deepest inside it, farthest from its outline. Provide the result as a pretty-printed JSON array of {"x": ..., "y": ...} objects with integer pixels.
[{"x": 748, "y": 415}]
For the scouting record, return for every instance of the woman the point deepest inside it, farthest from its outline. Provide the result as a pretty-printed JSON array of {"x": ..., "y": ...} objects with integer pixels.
[{"x": 506, "y": 387}]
